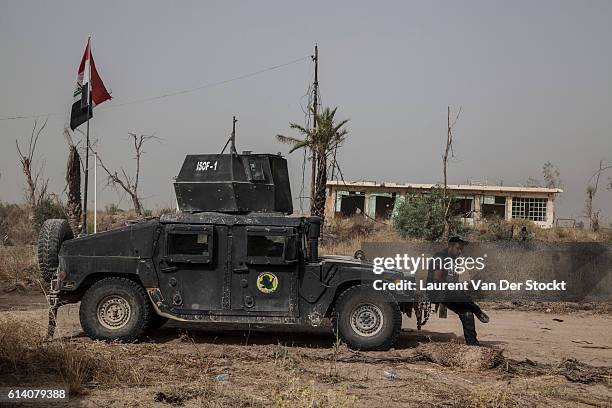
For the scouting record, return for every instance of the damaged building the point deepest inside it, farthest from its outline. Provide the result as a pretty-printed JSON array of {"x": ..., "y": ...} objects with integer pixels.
[{"x": 471, "y": 202}]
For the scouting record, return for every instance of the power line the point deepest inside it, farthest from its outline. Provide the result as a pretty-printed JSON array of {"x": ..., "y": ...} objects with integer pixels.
[{"x": 170, "y": 94}]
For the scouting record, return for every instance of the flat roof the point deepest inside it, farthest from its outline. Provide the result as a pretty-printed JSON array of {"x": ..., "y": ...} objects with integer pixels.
[{"x": 459, "y": 187}]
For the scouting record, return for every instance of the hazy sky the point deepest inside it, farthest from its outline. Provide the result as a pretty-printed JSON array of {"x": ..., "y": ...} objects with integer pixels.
[{"x": 534, "y": 79}]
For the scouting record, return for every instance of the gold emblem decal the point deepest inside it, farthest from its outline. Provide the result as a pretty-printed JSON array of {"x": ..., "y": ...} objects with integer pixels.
[{"x": 267, "y": 282}]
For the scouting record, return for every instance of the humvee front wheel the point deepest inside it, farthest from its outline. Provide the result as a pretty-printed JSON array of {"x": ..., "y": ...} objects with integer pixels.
[
  {"x": 366, "y": 319},
  {"x": 115, "y": 309}
]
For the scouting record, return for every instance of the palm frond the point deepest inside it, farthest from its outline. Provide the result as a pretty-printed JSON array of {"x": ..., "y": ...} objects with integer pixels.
[
  {"x": 300, "y": 145},
  {"x": 288, "y": 139}
]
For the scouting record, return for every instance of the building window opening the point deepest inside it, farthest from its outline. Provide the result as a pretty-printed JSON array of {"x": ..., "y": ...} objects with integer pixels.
[
  {"x": 529, "y": 208},
  {"x": 493, "y": 207},
  {"x": 351, "y": 204},
  {"x": 384, "y": 206},
  {"x": 461, "y": 207}
]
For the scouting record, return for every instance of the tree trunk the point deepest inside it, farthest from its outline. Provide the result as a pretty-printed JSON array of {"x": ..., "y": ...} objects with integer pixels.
[
  {"x": 73, "y": 181},
  {"x": 136, "y": 203},
  {"x": 321, "y": 184}
]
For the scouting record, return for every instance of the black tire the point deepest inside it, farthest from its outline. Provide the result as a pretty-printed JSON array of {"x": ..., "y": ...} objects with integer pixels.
[
  {"x": 50, "y": 238},
  {"x": 115, "y": 309},
  {"x": 375, "y": 315}
]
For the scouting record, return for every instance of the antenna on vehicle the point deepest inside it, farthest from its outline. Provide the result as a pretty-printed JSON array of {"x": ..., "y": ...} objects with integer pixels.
[{"x": 232, "y": 139}]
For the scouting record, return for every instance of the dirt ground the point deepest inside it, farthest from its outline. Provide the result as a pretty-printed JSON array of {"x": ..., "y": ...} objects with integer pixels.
[{"x": 549, "y": 360}]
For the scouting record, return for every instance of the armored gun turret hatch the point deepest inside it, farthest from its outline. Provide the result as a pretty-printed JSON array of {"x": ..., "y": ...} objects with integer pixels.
[{"x": 234, "y": 183}]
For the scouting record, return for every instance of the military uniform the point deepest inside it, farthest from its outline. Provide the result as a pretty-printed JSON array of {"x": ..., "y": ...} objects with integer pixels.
[{"x": 457, "y": 301}]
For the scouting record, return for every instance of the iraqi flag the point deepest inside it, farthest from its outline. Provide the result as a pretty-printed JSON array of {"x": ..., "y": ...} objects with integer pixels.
[{"x": 89, "y": 92}]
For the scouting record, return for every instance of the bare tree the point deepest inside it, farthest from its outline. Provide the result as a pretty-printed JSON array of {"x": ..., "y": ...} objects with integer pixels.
[
  {"x": 591, "y": 213},
  {"x": 36, "y": 184},
  {"x": 448, "y": 150},
  {"x": 128, "y": 183},
  {"x": 533, "y": 182},
  {"x": 552, "y": 177}
]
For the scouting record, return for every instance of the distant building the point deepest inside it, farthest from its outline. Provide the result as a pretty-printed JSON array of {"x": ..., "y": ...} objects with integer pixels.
[{"x": 472, "y": 203}]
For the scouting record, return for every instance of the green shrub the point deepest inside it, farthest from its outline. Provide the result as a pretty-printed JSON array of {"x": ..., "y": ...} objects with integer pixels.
[
  {"x": 422, "y": 216},
  {"x": 499, "y": 229},
  {"x": 47, "y": 209}
]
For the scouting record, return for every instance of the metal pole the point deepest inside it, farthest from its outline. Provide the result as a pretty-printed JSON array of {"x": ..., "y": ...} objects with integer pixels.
[
  {"x": 314, "y": 111},
  {"x": 233, "y": 138},
  {"x": 95, "y": 214},
  {"x": 84, "y": 227}
]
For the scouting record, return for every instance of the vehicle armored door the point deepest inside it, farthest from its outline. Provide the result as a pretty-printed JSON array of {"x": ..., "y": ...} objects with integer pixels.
[
  {"x": 193, "y": 266},
  {"x": 265, "y": 270}
]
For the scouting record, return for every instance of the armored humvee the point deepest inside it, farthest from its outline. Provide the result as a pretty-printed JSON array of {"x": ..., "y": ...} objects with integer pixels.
[{"x": 230, "y": 254}]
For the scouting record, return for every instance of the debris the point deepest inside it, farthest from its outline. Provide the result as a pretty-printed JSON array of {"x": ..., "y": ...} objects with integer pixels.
[
  {"x": 575, "y": 371},
  {"x": 545, "y": 328},
  {"x": 391, "y": 374},
  {"x": 557, "y": 320},
  {"x": 221, "y": 377},
  {"x": 460, "y": 355},
  {"x": 572, "y": 369},
  {"x": 582, "y": 342},
  {"x": 168, "y": 398}
]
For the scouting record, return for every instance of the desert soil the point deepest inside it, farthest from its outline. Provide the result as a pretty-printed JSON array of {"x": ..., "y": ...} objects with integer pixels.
[{"x": 294, "y": 367}]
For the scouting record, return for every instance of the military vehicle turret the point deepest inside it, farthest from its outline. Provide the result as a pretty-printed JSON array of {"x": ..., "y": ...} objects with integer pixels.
[{"x": 231, "y": 253}]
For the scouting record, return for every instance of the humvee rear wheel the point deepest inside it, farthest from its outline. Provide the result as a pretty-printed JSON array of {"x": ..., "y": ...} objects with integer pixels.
[
  {"x": 366, "y": 319},
  {"x": 115, "y": 309}
]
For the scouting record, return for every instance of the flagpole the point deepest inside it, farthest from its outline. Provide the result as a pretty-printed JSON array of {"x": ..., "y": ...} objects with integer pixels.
[
  {"x": 95, "y": 229},
  {"x": 84, "y": 229}
]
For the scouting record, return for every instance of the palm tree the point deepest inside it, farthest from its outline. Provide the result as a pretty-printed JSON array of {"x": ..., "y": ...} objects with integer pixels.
[{"x": 323, "y": 143}]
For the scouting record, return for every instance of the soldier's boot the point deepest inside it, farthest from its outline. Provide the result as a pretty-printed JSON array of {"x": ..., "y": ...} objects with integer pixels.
[
  {"x": 482, "y": 316},
  {"x": 469, "y": 328}
]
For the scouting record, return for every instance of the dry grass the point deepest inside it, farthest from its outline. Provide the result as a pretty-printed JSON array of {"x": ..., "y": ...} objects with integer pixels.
[
  {"x": 18, "y": 267},
  {"x": 344, "y": 236},
  {"x": 26, "y": 358},
  {"x": 111, "y": 219},
  {"x": 16, "y": 226},
  {"x": 295, "y": 393},
  {"x": 499, "y": 229}
]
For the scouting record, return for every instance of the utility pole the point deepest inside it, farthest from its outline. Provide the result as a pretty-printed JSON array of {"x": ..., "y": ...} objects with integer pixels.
[{"x": 315, "y": 101}]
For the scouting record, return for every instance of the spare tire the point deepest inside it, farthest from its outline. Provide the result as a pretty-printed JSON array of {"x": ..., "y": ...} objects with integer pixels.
[{"x": 52, "y": 233}]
